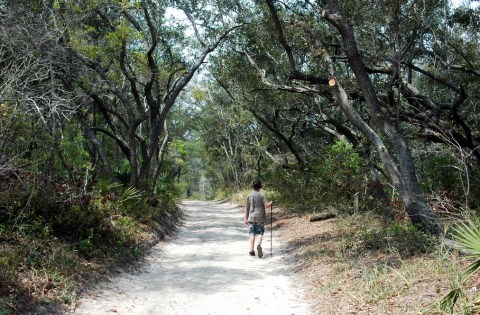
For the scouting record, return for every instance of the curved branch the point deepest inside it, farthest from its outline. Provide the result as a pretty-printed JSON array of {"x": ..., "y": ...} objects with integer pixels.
[
  {"x": 282, "y": 87},
  {"x": 173, "y": 94},
  {"x": 131, "y": 79},
  {"x": 152, "y": 65},
  {"x": 104, "y": 109},
  {"x": 195, "y": 28},
  {"x": 121, "y": 143},
  {"x": 277, "y": 133},
  {"x": 281, "y": 36},
  {"x": 432, "y": 76},
  {"x": 294, "y": 73}
]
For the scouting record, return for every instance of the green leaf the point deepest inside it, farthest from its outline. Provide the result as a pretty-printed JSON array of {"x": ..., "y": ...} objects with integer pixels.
[
  {"x": 472, "y": 268},
  {"x": 468, "y": 236},
  {"x": 447, "y": 303},
  {"x": 130, "y": 194}
]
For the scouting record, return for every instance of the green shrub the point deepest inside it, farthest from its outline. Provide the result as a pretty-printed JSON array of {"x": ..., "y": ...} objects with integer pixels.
[
  {"x": 123, "y": 173},
  {"x": 9, "y": 263},
  {"x": 73, "y": 149},
  {"x": 402, "y": 238},
  {"x": 342, "y": 162},
  {"x": 331, "y": 181},
  {"x": 127, "y": 228},
  {"x": 433, "y": 179},
  {"x": 51, "y": 227},
  {"x": 86, "y": 244},
  {"x": 369, "y": 232}
]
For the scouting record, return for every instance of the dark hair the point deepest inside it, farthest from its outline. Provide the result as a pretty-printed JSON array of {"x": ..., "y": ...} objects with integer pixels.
[{"x": 257, "y": 184}]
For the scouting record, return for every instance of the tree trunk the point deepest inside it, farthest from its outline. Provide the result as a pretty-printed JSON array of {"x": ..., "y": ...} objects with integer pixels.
[
  {"x": 159, "y": 158},
  {"x": 404, "y": 178},
  {"x": 231, "y": 160},
  {"x": 259, "y": 166},
  {"x": 95, "y": 143}
]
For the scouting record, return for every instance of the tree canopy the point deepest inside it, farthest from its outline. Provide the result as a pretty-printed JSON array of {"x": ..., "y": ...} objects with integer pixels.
[{"x": 320, "y": 99}]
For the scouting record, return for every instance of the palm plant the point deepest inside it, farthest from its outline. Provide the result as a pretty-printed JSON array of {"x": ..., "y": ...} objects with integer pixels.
[{"x": 467, "y": 236}]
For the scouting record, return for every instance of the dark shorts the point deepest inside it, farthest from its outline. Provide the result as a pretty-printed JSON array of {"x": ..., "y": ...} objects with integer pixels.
[{"x": 256, "y": 228}]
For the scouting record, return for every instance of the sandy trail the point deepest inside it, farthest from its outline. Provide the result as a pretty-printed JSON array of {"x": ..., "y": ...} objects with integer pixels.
[{"x": 205, "y": 269}]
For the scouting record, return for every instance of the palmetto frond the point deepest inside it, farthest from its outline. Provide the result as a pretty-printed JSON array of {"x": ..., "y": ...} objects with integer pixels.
[
  {"x": 467, "y": 235},
  {"x": 130, "y": 193},
  {"x": 447, "y": 303}
]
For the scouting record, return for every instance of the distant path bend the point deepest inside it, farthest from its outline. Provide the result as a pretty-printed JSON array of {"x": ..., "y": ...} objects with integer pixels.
[{"x": 204, "y": 270}]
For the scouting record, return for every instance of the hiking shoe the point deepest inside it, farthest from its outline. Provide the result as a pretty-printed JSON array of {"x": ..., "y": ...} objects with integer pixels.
[
  {"x": 260, "y": 251},
  {"x": 252, "y": 253}
]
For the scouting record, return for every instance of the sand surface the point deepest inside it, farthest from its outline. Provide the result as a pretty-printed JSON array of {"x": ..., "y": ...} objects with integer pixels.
[{"x": 204, "y": 269}]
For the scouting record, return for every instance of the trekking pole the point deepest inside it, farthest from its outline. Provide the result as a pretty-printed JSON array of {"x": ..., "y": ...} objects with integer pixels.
[{"x": 271, "y": 230}]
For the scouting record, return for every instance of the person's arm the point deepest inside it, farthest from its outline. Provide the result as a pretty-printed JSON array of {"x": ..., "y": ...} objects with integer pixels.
[
  {"x": 266, "y": 203},
  {"x": 247, "y": 212}
]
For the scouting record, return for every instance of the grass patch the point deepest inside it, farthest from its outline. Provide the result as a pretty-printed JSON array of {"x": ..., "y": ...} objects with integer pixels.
[
  {"x": 369, "y": 233},
  {"x": 41, "y": 270},
  {"x": 379, "y": 268}
]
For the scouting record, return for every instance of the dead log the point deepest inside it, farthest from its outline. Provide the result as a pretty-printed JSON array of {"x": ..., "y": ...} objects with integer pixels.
[
  {"x": 321, "y": 216},
  {"x": 453, "y": 246}
]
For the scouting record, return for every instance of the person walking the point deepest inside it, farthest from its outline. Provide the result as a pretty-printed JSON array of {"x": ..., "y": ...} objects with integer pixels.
[{"x": 255, "y": 216}]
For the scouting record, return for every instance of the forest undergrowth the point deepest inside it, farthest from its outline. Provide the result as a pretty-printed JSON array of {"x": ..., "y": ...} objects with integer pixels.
[
  {"x": 359, "y": 265},
  {"x": 57, "y": 239}
]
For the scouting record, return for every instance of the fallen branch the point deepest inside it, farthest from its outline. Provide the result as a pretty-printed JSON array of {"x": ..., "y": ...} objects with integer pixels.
[
  {"x": 454, "y": 246},
  {"x": 320, "y": 216}
]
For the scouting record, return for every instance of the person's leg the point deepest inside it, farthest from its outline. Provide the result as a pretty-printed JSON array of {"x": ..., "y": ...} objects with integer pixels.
[
  {"x": 259, "y": 240},
  {"x": 260, "y": 230},
  {"x": 252, "y": 242},
  {"x": 252, "y": 239}
]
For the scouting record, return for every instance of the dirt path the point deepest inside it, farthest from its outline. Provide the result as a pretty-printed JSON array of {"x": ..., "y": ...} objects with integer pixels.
[{"x": 204, "y": 270}]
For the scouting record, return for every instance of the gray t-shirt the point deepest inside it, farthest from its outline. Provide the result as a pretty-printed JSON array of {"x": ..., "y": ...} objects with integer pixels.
[{"x": 256, "y": 207}]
